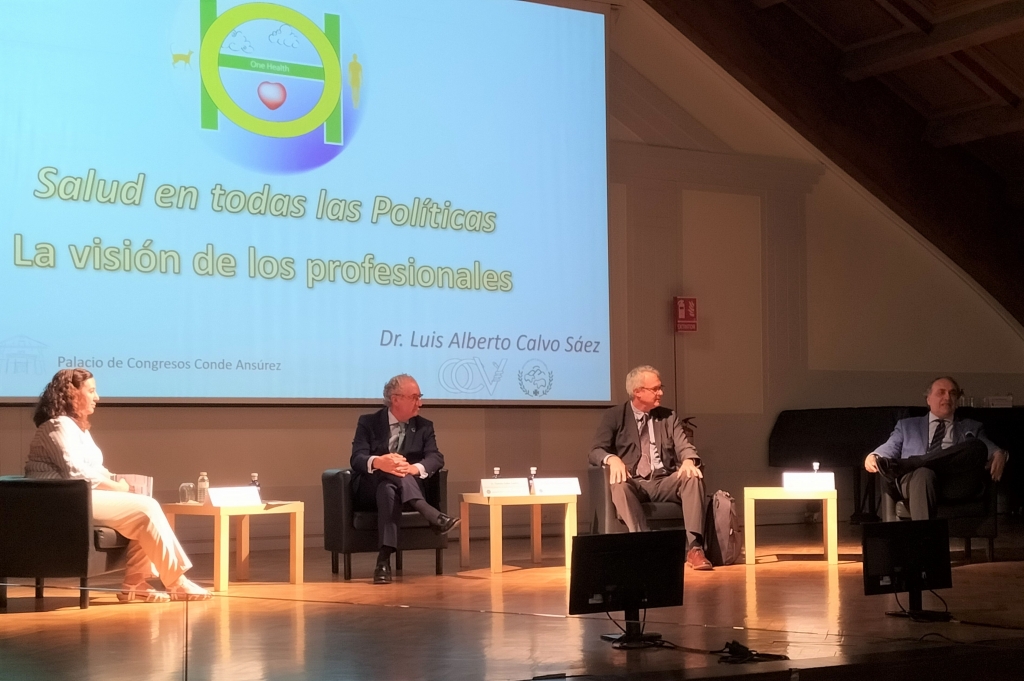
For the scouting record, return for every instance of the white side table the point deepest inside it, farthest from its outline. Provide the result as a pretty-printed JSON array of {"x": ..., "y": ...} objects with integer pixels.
[
  {"x": 496, "y": 504},
  {"x": 829, "y": 509}
]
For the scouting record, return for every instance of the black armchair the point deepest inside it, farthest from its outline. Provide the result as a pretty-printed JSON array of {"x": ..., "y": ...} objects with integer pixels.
[
  {"x": 971, "y": 518},
  {"x": 46, "y": 530},
  {"x": 660, "y": 515},
  {"x": 349, "y": 530}
]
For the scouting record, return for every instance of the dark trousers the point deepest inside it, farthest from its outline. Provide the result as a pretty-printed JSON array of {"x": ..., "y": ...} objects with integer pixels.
[
  {"x": 388, "y": 494},
  {"x": 958, "y": 473},
  {"x": 629, "y": 497}
]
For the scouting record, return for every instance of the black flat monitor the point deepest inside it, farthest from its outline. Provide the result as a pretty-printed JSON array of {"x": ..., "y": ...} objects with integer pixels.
[
  {"x": 627, "y": 572},
  {"x": 907, "y": 556}
]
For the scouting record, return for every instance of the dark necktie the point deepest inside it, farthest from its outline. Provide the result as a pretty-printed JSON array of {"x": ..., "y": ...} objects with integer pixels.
[
  {"x": 643, "y": 467},
  {"x": 940, "y": 434}
]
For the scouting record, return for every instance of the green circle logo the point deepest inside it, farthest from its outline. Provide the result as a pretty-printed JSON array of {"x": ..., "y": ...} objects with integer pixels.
[{"x": 209, "y": 69}]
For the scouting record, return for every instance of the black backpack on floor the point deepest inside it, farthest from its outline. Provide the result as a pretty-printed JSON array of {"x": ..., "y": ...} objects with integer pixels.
[{"x": 722, "y": 544}]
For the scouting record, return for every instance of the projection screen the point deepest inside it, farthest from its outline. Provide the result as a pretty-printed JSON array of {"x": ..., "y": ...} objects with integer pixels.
[{"x": 208, "y": 200}]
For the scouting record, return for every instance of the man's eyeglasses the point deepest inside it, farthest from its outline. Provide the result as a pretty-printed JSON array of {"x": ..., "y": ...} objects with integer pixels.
[
  {"x": 415, "y": 397},
  {"x": 655, "y": 389}
]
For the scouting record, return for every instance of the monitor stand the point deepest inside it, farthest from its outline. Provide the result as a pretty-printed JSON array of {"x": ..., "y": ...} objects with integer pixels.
[
  {"x": 915, "y": 612},
  {"x": 633, "y": 638}
]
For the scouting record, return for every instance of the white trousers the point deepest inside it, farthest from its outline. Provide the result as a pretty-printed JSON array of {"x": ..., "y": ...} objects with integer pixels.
[{"x": 153, "y": 550}]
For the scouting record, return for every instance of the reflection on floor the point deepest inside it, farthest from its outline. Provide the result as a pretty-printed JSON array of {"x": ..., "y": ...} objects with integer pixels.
[{"x": 472, "y": 625}]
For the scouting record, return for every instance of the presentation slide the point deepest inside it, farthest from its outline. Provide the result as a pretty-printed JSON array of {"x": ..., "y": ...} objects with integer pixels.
[{"x": 217, "y": 200}]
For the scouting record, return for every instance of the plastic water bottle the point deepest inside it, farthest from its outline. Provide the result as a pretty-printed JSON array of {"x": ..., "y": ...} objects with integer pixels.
[
  {"x": 255, "y": 480},
  {"x": 201, "y": 487},
  {"x": 533, "y": 474}
]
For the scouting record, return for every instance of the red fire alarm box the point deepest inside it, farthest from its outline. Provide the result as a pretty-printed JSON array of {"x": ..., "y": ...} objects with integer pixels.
[{"x": 685, "y": 314}]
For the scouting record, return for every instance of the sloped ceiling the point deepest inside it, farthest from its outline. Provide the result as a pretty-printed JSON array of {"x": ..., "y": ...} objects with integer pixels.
[{"x": 919, "y": 100}]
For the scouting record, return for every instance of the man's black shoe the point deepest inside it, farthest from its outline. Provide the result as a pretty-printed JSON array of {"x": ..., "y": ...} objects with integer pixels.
[
  {"x": 382, "y": 573},
  {"x": 445, "y": 524}
]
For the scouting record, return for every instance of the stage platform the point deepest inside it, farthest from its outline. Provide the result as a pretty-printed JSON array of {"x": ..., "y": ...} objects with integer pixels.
[{"x": 471, "y": 624}]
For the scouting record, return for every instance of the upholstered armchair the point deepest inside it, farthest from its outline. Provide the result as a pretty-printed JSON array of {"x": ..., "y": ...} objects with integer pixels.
[
  {"x": 46, "y": 530},
  {"x": 349, "y": 529},
  {"x": 660, "y": 515}
]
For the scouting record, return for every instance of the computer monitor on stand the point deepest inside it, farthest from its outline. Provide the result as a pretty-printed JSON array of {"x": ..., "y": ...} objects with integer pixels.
[
  {"x": 627, "y": 572},
  {"x": 908, "y": 556}
]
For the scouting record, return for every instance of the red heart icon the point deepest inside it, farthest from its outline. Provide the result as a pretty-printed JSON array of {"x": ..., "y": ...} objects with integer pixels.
[{"x": 271, "y": 94}]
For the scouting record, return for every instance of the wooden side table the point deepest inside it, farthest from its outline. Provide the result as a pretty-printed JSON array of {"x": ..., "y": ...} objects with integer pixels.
[
  {"x": 496, "y": 504},
  {"x": 829, "y": 510},
  {"x": 221, "y": 516}
]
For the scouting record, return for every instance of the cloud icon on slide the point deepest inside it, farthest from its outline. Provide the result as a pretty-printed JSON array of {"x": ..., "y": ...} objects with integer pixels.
[
  {"x": 237, "y": 42},
  {"x": 285, "y": 36}
]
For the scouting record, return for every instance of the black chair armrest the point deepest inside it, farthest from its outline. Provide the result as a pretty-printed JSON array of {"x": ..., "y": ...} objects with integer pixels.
[
  {"x": 604, "y": 518},
  {"x": 337, "y": 489},
  {"x": 45, "y": 527}
]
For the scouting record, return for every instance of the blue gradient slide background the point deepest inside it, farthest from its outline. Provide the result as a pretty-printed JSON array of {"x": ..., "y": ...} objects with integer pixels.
[{"x": 493, "y": 105}]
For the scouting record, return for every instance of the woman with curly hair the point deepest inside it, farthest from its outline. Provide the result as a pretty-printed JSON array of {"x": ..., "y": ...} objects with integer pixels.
[{"x": 63, "y": 448}]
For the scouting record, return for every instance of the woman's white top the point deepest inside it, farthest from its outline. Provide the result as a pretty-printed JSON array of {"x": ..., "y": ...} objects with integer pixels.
[{"x": 62, "y": 450}]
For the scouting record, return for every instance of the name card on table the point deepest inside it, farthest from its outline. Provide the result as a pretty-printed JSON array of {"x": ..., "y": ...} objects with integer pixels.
[
  {"x": 553, "y": 486},
  {"x": 222, "y": 497},
  {"x": 504, "y": 487},
  {"x": 808, "y": 482}
]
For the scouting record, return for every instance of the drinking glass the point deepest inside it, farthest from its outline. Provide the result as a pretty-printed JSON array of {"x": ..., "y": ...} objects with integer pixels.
[{"x": 187, "y": 492}]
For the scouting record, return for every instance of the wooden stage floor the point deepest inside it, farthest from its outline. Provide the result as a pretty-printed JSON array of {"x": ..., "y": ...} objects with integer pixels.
[{"x": 472, "y": 625}]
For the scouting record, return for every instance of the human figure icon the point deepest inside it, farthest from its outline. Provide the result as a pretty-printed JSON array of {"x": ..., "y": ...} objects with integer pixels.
[{"x": 355, "y": 78}]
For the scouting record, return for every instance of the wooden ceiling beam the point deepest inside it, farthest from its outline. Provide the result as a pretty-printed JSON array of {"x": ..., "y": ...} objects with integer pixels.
[
  {"x": 979, "y": 73},
  {"x": 998, "y": 70},
  {"x": 945, "y": 38},
  {"x": 906, "y": 15},
  {"x": 975, "y": 125}
]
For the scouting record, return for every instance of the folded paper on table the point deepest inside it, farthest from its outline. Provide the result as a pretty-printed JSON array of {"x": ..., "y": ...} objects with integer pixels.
[
  {"x": 222, "y": 497},
  {"x": 504, "y": 487},
  {"x": 808, "y": 482},
  {"x": 554, "y": 486}
]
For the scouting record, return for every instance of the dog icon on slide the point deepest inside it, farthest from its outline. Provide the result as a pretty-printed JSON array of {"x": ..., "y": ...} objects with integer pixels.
[{"x": 184, "y": 58}]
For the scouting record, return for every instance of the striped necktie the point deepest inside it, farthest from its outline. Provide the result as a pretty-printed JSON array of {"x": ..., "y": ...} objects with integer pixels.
[{"x": 940, "y": 434}]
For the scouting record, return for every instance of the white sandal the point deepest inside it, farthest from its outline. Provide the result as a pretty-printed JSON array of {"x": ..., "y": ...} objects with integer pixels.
[
  {"x": 186, "y": 590},
  {"x": 141, "y": 591}
]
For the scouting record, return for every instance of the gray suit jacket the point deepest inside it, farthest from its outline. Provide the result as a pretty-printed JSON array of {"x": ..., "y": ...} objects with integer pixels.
[{"x": 617, "y": 434}]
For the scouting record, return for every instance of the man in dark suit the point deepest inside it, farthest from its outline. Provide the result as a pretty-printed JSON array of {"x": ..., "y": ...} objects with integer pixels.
[
  {"x": 393, "y": 451},
  {"x": 933, "y": 457},
  {"x": 650, "y": 459}
]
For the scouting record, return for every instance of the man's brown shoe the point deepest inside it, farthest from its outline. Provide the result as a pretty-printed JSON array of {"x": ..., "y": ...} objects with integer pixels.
[{"x": 696, "y": 559}]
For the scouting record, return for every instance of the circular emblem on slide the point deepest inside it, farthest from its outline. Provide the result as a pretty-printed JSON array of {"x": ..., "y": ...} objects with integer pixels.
[
  {"x": 535, "y": 379},
  {"x": 281, "y": 90},
  {"x": 210, "y": 67}
]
